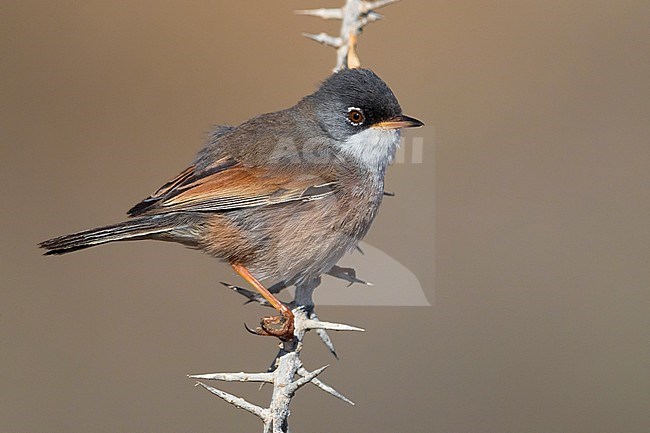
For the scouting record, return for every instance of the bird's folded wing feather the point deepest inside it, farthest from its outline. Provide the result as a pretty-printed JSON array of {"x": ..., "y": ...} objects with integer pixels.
[{"x": 227, "y": 185}]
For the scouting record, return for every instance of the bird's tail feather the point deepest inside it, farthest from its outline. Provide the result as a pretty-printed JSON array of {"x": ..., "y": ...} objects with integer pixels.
[{"x": 137, "y": 228}]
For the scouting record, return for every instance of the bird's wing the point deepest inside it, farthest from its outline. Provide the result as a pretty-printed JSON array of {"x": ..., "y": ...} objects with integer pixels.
[{"x": 227, "y": 185}]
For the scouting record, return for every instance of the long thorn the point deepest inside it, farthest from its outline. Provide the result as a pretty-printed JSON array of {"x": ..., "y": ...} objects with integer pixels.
[
  {"x": 237, "y": 401},
  {"x": 325, "y": 39},
  {"x": 325, "y": 13},
  {"x": 296, "y": 385},
  {"x": 235, "y": 377},
  {"x": 328, "y": 389}
]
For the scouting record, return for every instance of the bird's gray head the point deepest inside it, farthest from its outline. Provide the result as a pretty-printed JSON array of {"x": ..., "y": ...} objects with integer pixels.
[{"x": 361, "y": 116}]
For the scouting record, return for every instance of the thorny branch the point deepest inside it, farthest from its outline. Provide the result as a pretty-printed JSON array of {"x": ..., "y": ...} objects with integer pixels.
[
  {"x": 355, "y": 15},
  {"x": 287, "y": 374}
]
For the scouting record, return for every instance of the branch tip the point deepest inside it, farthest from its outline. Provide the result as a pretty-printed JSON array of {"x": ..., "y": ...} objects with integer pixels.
[{"x": 325, "y": 13}]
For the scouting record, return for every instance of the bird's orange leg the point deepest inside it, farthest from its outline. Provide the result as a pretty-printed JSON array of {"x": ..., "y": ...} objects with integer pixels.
[{"x": 275, "y": 326}]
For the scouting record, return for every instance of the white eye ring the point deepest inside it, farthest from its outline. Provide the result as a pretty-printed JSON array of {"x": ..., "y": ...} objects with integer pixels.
[{"x": 355, "y": 116}]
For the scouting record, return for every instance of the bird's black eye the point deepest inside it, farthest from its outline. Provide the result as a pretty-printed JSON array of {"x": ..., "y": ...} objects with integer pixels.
[{"x": 355, "y": 116}]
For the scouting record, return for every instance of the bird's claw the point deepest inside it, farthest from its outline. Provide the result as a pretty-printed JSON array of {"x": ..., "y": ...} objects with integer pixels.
[{"x": 275, "y": 326}]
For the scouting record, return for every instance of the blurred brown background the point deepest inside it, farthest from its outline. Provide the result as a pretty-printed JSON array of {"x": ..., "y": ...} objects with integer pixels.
[{"x": 526, "y": 224}]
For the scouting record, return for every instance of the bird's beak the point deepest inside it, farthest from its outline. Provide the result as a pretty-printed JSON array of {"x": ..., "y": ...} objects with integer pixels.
[{"x": 398, "y": 122}]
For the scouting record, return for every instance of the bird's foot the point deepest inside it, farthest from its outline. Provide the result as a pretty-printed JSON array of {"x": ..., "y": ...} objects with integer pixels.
[{"x": 276, "y": 326}]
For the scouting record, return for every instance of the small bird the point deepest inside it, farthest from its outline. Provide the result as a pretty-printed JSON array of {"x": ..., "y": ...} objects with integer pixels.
[{"x": 281, "y": 197}]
